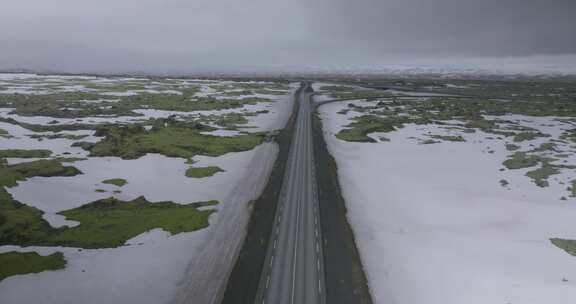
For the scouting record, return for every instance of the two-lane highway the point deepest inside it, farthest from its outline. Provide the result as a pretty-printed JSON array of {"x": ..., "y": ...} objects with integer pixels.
[{"x": 294, "y": 269}]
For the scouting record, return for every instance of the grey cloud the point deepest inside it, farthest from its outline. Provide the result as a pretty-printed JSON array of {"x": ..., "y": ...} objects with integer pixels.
[
  {"x": 182, "y": 35},
  {"x": 483, "y": 27}
]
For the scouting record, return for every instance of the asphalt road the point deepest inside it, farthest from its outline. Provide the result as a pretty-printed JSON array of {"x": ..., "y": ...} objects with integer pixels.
[{"x": 294, "y": 269}]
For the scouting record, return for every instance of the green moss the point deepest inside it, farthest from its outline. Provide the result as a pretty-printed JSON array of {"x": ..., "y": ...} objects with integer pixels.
[
  {"x": 567, "y": 245},
  {"x": 19, "y": 153},
  {"x": 130, "y": 142},
  {"x": 457, "y": 138},
  {"x": 83, "y": 144},
  {"x": 199, "y": 172},
  {"x": 48, "y": 128},
  {"x": 14, "y": 263},
  {"x": 57, "y": 136},
  {"x": 231, "y": 120},
  {"x": 187, "y": 102},
  {"x": 11, "y": 174},
  {"x": 117, "y": 87},
  {"x": 237, "y": 93},
  {"x": 104, "y": 223},
  {"x": 44, "y": 168},
  {"x": 520, "y": 160},
  {"x": 20, "y": 224},
  {"x": 4, "y": 134},
  {"x": 9, "y": 178},
  {"x": 512, "y": 147},
  {"x": 65, "y": 105},
  {"x": 523, "y": 136},
  {"x": 540, "y": 176},
  {"x": 120, "y": 182},
  {"x": 480, "y": 124},
  {"x": 111, "y": 222},
  {"x": 429, "y": 142},
  {"x": 358, "y": 130},
  {"x": 549, "y": 146},
  {"x": 569, "y": 135}
]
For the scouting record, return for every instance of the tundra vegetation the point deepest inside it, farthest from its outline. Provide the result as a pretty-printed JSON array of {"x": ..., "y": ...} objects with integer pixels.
[
  {"x": 20, "y": 153},
  {"x": 14, "y": 263},
  {"x": 199, "y": 172},
  {"x": 88, "y": 118},
  {"x": 120, "y": 182},
  {"x": 4, "y": 134},
  {"x": 533, "y": 121}
]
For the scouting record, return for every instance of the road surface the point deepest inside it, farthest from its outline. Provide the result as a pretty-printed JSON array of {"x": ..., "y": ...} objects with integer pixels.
[{"x": 294, "y": 269}]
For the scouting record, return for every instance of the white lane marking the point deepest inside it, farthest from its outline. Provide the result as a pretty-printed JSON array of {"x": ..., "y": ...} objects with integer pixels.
[
  {"x": 295, "y": 257},
  {"x": 271, "y": 261},
  {"x": 275, "y": 241},
  {"x": 267, "y": 281}
]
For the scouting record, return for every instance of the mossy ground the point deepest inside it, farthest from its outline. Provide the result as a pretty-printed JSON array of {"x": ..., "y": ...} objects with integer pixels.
[
  {"x": 173, "y": 141},
  {"x": 45, "y": 168},
  {"x": 20, "y": 153},
  {"x": 109, "y": 223},
  {"x": 472, "y": 112},
  {"x": 4, "y": 134},
  {"x": 523, "y": 136},
  {"x": 512, "y": 147},
  {"x": 358, "y": 130},
  {"x": 457, "y": 138},
  {"x": 73, "y": 105},
  {"x": 14, "y": 263},
  {"x": 105, "y": 223},
  {"x": 120, "y": 182},
  {"x": 567, "y": 245},
  {"x": 540, "y": 176},
  {"x": 520, "y": 160},
  {"x": 41, "y": 137},
  {"x": 199, "y": 172},
  {"x": 11, "y": 174}
]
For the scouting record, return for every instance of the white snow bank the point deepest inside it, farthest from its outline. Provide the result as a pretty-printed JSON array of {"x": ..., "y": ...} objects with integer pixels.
[
  {"x": 155, "y": 266},
  {"x": 433, "y": 225}
]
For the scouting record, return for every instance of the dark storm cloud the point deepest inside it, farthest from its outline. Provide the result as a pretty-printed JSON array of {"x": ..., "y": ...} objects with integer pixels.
[
  {"x": 479, "y": 27},
  {"x": 194, "y": 35}
]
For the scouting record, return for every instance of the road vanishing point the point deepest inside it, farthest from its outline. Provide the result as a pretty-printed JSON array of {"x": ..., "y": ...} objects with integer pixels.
[{"x": 294, "y": 269}]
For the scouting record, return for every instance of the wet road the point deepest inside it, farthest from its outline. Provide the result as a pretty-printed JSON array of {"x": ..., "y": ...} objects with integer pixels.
[{"x": 294, "y": 270}]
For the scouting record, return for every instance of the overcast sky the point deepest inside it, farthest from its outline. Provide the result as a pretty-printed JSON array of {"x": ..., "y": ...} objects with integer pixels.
[{"x": 199, "y": 35}]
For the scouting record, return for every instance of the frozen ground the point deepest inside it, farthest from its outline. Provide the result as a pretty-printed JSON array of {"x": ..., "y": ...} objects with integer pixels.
[
  {"x": 157, "y": 266},
  {"x": 536, "y": 65},
  {"x": 153, "y": 267},
  {"x": 433, "y": 224}
]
